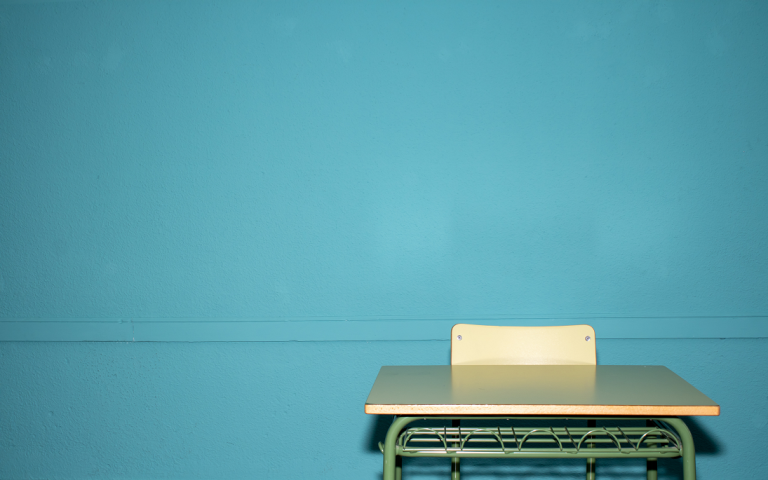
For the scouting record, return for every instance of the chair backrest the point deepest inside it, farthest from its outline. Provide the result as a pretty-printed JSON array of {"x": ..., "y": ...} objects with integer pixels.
[{"x": 486, "y": 345}]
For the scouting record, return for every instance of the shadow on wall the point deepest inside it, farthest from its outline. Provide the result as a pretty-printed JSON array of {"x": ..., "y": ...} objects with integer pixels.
[
  {"x": 703, "y": 440},
  {"x": 377, "y": 430}
]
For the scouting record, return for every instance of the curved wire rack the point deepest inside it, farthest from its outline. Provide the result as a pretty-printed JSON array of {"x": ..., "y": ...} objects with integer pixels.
[{"x": 563, "y": 441}]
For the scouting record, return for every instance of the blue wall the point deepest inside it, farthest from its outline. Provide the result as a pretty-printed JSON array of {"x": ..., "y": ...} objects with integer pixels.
[{"x": 357, "y": 177}]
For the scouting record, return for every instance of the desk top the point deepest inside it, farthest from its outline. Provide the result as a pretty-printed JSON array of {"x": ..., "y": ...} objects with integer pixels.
[{"x": 535, "y": 390}]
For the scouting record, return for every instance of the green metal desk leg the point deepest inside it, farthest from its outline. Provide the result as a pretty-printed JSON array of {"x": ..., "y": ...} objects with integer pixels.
[
  {"x": 455, "y": 468},
  {"x": 398, "y": 467},
  {"x": 689, "y": 453},
  {"x": 591, "y": 461},
  {"x": 455, "y": 461},
  {"x": 651, "y": 463},
  {"x": 651, "y": 468},
  {"x": 390, "y": 454}
]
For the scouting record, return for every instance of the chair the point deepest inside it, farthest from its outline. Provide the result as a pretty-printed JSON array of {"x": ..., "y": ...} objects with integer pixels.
[
  {"x": 484, "y": 345},
  {"x": 488, "y": 345}
]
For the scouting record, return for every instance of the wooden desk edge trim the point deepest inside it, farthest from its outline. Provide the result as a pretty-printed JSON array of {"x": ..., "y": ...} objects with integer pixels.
[{"x": 645, "y": 410}]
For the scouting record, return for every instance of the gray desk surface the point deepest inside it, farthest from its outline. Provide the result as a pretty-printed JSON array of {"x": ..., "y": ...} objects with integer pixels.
[{"x": 535, "y": 390}]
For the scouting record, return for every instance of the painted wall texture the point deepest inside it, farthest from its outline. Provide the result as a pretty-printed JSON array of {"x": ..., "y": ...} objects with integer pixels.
[{"x": 325, "y": 187}]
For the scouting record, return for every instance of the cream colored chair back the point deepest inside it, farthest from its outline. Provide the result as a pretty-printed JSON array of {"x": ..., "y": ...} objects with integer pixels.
[{"x": 487, "y": 345}]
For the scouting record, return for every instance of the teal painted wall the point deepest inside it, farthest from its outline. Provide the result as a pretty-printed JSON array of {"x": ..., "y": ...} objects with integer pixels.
[
  {"x": 225, "y": 159},
  {"x": 334, "y": 184}
]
